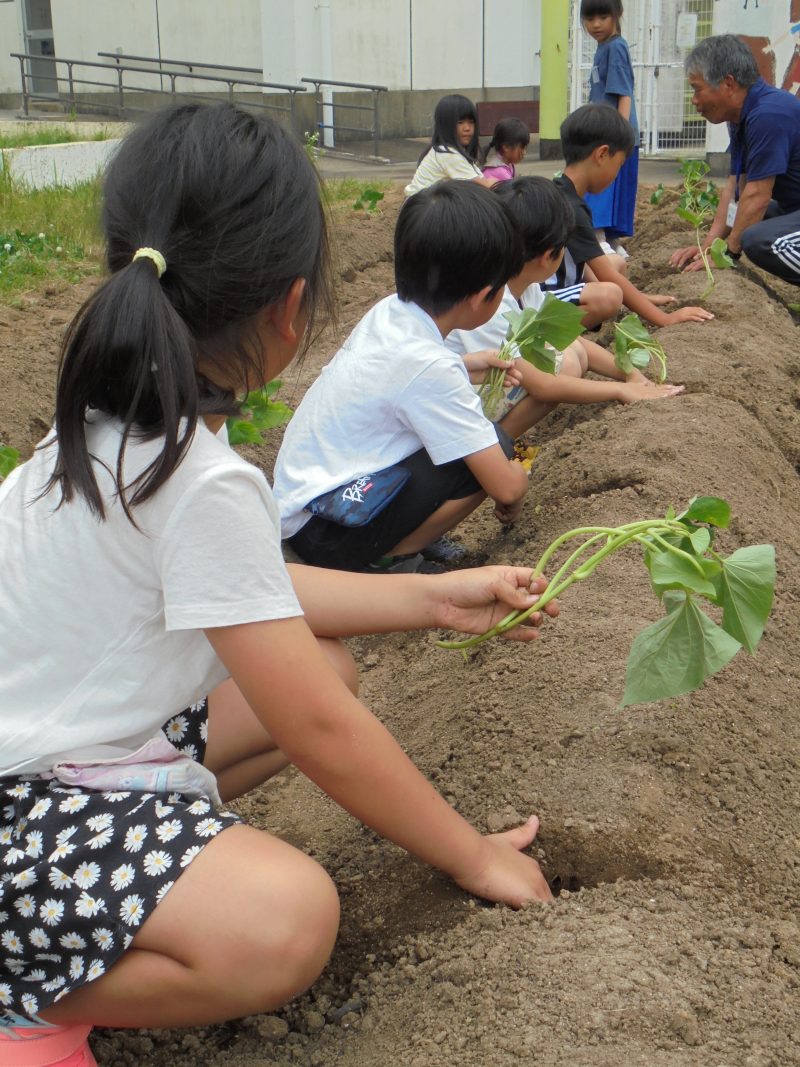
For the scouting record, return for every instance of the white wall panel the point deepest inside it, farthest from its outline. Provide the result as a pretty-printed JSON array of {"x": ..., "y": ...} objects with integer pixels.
[
  {"x": 513, "y": 34},
  {"x": 446, "y": 44},
  {"x": 371, "y": 41},
  {"x": 10, "y": 41}
]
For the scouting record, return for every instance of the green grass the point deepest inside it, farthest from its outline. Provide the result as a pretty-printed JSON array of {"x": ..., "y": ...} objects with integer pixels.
[
  {"x": 47, "y": 234},
  {"x": 349, "y": 190},
  {"x": 49, "y": 135}
]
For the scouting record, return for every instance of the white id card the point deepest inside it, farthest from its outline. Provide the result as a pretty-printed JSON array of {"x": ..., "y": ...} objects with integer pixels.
[{"x": 730, "y": 218}]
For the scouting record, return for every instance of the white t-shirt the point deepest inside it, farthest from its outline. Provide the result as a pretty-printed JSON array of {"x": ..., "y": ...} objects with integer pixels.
[
  {"x": 100, "y": 622},
  {"x": 493, "y": 333},
  {"x": 391, "y": 389},
  {"x": 439, "y": 163}
]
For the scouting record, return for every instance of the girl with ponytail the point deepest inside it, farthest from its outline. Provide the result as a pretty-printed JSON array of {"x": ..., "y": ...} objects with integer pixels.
[{"x": 158, "y": 658}]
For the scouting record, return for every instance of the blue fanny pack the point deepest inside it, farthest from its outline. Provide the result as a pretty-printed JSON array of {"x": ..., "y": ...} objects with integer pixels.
[{"x": 356, "y": 503}]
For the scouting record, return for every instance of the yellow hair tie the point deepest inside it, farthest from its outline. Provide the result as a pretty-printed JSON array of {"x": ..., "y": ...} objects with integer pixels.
[{"x": 154, "y": 255}]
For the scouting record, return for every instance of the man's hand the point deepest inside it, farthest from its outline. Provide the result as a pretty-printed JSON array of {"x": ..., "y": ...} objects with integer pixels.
[{"x": 686, "y": 259}]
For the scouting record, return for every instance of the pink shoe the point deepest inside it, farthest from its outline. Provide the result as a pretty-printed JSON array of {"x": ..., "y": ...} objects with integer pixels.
[{"x": 32, "y": 1045}]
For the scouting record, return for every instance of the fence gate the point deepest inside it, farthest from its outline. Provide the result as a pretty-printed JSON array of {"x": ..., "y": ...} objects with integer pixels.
[{"x": 659, "y": 33}]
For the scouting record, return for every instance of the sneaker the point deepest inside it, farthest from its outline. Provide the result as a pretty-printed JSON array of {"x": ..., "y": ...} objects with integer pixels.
[
  {"x": 34, "y": 1043},
  {"x": 445, "y": 550},
  {"x": 413, "y": 563}
]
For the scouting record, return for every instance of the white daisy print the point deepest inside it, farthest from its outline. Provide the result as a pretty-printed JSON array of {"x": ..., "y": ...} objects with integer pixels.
[
  {"x": 135, "y": 838},
  {"x": 58, "y": 879},
  {"x": 25, "y": 905},
  {"x": 73, "y": 803},
  {"x": 41, "y": 808},
  {"x": 168, "y": 830},
  {"x": 176, "y": 728},
  {"x": 34, "y": 844},
  {"x": 100, "y": 822},
  {"x": 36, "y": 975},
  {"x": 122, "y": 877},
  {"x": 30, "y": 1004},
  {"x": 162, "y": 810},
  {"x": 72, "y": 940},
  {"x": 163, "y": 891},
  {"x": 64, "y": 835},
  {"x": 54, "y": 984},
  {"x": 15, "y": 966},
  {"x": 49, "y": 957},
  {"x": 13, "y": 855},
  {"x": 115, "y": 797},
  {"x": 38, "y": 938},
  {"x": 87, "y": 906},
  {"x": 103, "y": 938},
  {"x": 22, "y": 879},
  {"x": 199, "y": 807},
  {"x": 96, "y": 968},
  {"x": 76, "y": 967},
  {"x": 131, "y": 910},
  {"x": 61, "y": 852},
  {"x": 6, "y": 835},
  {"x": 21, "y": 789},
  {"x": 86, "y": 874},
  {"x": 5, "y": 993},
  {"x": 127, "y": 940},
  {"x": 198, "y": 707},
  {"x": 208, "y": 827},
  {"x": 100, "y": 840},
  {"x": 204, "y": 730},
  {"x": 8, "y": 812},
  {"x": 11, "y": 942},
  {"x": 189, "y": 750},
  {"x": 157, "y": 862},
  {"x": 52, "y": 911},
  {"x": 190, "y": 854}
]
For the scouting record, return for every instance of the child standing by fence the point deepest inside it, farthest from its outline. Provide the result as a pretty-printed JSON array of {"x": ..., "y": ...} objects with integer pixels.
[{"x": 142, "y": 570}]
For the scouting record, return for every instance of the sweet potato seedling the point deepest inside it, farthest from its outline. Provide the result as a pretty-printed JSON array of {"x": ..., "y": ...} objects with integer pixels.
[
  {"x": 635, "y": 347},
  {"x": 259, "y": 412},
  {"x": 676, "y": 654},
  {"x": 698, "y": 205},
  {"x": 536, "y": 335}
]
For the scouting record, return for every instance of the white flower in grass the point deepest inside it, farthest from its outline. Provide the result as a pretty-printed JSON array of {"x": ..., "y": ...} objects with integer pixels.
[
  {"x": 100, "y": 840},
  {"x": 11, "y": 942},
  {"x": 157, "y": 862},
  {"x": 135, "y": 838},
  {"x": 131, "y": 910},
  {"x": 176, "y": 728},
  {"x": 115, "y": 797},
  {"x": 22, "y": 879},
  {"x": 58, "y": 879},
  {"x": 40, "y": 808},
  {"x": 34, "y": 843},
  {"x": 21, "y": 789},
  {"x": 162, "y": 810},
  {"x": 26, "y": 905},
  {"x": 199, "y": 807},
  {"x": 5, "y": 993},
  {"x": 72, "y": 940},
  {"x": 100, "y": 822},
  {"x": 13, "y": 855},
  {"x": 86, "y": 874},
  {"x": 52, "y": 911},
  {"x": 169, "y": 830},
  {"x": 163, "y": 891},
  {"x": 76, "y": 967},
  {"x": 103, "y": 938},
  {"x": 87, "y": 906},
  {"x": 96, "y": 968},
  {"x": 190, "y": 854},
  {"x": 70, "y": 804},
  {"x": 208, "y": 827},
  {"x": 38, "y": 938},
  {"x": 30, "y": 1004},
  {"x": 17, "y": 967},
  {"x": 54, "y": 984}
]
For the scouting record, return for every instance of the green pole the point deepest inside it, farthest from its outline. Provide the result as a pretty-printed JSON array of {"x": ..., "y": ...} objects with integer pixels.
[{"x": 554, "y": 87}]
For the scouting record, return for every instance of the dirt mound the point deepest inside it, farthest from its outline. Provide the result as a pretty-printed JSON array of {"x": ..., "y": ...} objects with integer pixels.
[{"x": 670, "y": 831}]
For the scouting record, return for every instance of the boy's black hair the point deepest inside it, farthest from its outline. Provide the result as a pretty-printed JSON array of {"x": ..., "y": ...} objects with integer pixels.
[
  {"x": 452, "y": 240},
  {"x": 447, "y": 113},
  {"x": 233, "y": 205},
  {"x": 591, "y": 126},
  {"x": 509, "y": 131},
  {"x": 590, "y": 8},
  {"x": 540, "y": 212}
]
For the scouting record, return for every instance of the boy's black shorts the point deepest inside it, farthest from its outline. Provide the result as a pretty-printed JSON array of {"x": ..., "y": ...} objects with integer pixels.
[{"x": 352, "y": 548}]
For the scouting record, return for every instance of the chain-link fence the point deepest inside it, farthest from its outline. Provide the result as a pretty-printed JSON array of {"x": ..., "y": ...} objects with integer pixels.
[{"x": 659, "y": 34}]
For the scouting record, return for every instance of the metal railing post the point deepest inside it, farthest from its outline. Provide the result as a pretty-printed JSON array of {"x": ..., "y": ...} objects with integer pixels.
[{"x": 24, "y": 85}]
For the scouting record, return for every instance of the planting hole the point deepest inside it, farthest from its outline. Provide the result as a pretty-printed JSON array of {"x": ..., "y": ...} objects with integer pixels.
[{"x": 583, "y": 858}]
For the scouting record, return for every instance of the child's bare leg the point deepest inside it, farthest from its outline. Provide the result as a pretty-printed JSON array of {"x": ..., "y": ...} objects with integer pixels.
[
  {"x": 526, "y": 413},
  {"x": 249, "y": 925},
  {"x": 449, "y": 515},
  {"x": 240, "y": 752},
  {"x": 600, "y": 301},
  {"x": 600, "y": 360}
]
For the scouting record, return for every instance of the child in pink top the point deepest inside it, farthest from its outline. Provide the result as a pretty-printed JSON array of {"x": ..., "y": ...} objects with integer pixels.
[{"x": 507, "y": 147}]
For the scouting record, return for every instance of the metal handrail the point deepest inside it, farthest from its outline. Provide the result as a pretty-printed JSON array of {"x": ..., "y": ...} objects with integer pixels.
[
  {"x": 120, "y": 89},
  {"x": 372, "y": 108},
  {"x": 191, "y": 64}
]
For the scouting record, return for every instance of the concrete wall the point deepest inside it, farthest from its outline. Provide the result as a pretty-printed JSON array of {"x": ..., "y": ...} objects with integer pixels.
[
  {"x": 10, "y": 41},
  {"x": 66, "y": 164}
]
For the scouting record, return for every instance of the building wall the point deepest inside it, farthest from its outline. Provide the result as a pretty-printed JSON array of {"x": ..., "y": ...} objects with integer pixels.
[{"x": 10, "y": 41}]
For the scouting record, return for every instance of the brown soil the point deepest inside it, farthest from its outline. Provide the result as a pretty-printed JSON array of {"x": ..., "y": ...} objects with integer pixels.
[{"x": 672, "y": 830}]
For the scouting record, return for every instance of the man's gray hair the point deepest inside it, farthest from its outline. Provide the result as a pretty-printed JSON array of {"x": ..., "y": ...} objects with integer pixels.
[{"x": 715, "y": 57}]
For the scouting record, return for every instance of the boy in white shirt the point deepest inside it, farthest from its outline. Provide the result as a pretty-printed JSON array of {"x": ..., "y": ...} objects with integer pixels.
[
  {"x": 395, "y": 395},
  {"x": 544, "y": 219}
]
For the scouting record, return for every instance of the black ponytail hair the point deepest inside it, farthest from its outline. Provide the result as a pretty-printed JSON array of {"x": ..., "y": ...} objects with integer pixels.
[
  {"x": 233, "y": 205},
  {"x": 510, "y": 131}
]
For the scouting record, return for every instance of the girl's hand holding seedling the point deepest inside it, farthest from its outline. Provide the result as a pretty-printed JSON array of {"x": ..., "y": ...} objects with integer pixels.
[
  {"x": 507, "y": 874},
  {"x": 472, "y": 601},
  {"x": 478, "y": 364}
]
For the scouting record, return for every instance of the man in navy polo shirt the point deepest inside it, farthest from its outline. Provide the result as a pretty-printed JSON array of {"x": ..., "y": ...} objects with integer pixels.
[{"x": 759, "y": 207}]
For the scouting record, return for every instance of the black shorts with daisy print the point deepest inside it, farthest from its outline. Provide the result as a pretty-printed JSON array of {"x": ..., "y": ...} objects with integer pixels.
[{"x": 81, "y": 870}]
